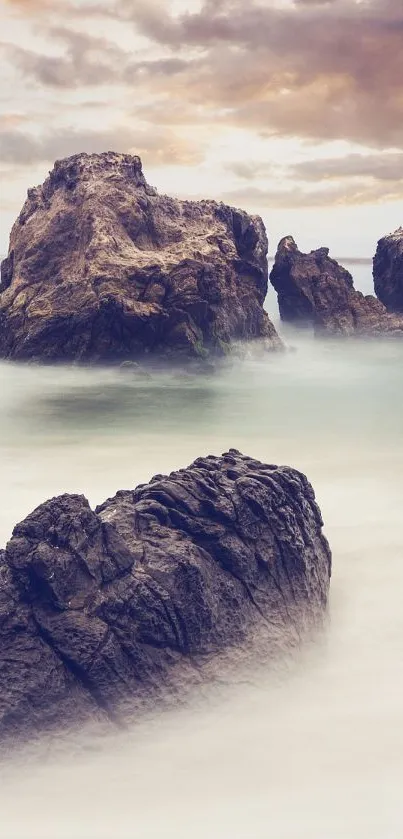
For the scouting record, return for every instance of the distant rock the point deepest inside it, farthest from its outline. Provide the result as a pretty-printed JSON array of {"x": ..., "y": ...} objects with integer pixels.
[
  {"x": 314, "y": 290},
  {"x": 388, "y": 271},
  {"x": 102, "y": 268},
  {"x": 102, "y": 611}
]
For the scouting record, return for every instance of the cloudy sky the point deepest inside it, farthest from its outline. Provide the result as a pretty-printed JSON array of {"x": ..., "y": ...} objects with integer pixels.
[{"x": 289, "y": 108}]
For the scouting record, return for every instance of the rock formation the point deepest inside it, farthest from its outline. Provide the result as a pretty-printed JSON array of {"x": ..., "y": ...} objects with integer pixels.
[
  {"x": 388, "y": 271},
  {"x": 102, "y": 268},
  {"x": 314, "y": 290},
  {"x": 100, "y": 609}
]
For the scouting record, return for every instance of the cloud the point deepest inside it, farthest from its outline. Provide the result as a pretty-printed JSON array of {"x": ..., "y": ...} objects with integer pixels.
[
  {"x": 250, "y": 169},
  {"x": 259, "y": 199},
  {"x": 352, "y": 179},
  {"x": 316, "y": 70},
  {"x": 11, "y": 120},
  {"x": 381, "y": 167},
  {"x": 29, "y": 6},
  {"x": 59, "y": 8},
  {"x": 161, "y": 68},
  {"x": 86, "y": 61},
  {"x": 157, "y": 148},
  {"x": 89, "y": 61},
  {"x": 314, "y": 2}
]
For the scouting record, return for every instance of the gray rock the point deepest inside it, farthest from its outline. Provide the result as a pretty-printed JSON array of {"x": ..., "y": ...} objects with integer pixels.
[
  {"x": 314, "y": 290},
  {"x": 388, "y": 271},
  {"x": 102, "y": 268},
  {"x": 100, "y": 610}
]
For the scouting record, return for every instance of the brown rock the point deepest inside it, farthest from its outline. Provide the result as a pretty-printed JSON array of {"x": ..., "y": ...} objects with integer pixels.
[
  {"x": 388, "y": 271},
  {"x": 314, "y": 290},
  {"x": 102, "y": 268}
]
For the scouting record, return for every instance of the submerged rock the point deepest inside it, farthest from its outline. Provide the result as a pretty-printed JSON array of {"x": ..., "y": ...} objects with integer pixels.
[
  {"x": 388, "y": 271},
  {"x": 101, "y": 610},
  {"x": 134, "y": 369},
  {"x": 102, "y": 268},
  {"x": 314, "y": 290}
]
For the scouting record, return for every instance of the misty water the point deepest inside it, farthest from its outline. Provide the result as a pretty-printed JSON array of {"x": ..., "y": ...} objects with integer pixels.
[{"x": 311, "y": 748}]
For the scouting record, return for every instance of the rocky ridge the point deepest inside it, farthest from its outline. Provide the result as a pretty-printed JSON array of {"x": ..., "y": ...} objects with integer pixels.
[
  {"x": 102, "y": 609},
  {"x": 103, "y": 268},
  {"x": 314, "y": 290},
  {"x": 388, "y": 271}
]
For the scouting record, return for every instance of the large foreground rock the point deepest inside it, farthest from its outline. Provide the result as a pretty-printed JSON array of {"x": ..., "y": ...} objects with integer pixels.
[
  {"x": 102, "y": 610},
  {"x": 388, "y": 271},
  {"x": 102, "y": 268},
  {"x": 314, "y": 290}
]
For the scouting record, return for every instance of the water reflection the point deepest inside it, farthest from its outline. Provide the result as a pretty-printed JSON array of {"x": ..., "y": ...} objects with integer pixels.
[{"x": 95, "y": 407}]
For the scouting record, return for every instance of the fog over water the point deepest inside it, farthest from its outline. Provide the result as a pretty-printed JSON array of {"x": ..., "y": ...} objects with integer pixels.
[{"x": 309, "y": 749}]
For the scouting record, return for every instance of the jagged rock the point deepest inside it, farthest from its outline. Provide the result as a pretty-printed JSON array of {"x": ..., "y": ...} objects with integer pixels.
[
  {"x": 102, "y": 268},
  {"x": 388, "y": 271},
  {"x": 314, "y": 290},
  {"x": 99, "y": 609}
]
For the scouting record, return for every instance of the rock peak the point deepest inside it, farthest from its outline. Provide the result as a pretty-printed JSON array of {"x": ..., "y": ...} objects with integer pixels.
[
  {"x": 90, "y": 164},
  {"x": 287, "y": 243},
  {"x": 69, "y": 172}
]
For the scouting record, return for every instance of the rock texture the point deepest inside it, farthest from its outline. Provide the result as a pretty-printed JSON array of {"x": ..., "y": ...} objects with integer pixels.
[
  {"x": 314, "y": 290},
  {"x": 99, "y": 609},
  {"x": 388, "y": 271},
  {"x": 102, "y": 268}
]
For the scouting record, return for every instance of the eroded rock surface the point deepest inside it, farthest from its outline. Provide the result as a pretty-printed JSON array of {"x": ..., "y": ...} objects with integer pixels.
[
  {"x": 102, "y": 268},
  {"x": 101, "y": 609},
  {"x": 314, "y": 290},
  {"x": 388, "y": 271}
]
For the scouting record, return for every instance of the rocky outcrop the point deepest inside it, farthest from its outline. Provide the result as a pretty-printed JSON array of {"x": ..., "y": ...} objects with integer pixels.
[
  {"x": 314, "y": 290},
  {"x": 102, "y": 268},
  {"x": 388, "y": 271},
  {"x": 99, "y": 610}
]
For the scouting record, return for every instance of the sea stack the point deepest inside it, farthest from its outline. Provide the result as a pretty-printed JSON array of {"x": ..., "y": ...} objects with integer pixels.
[
  {"x": 102, "y": 611},
  {"x": 314, "y": 290},
  {"x": 103, "y": 268},
  {"x": 388, "y": 271}
]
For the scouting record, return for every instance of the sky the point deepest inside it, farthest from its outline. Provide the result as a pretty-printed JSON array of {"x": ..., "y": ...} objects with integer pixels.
[{"x": 292, "y": 109}]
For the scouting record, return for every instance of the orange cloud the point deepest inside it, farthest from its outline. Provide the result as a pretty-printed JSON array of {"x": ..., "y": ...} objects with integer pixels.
[
  {"x": 322, "y": 70},
  {"x": 313, "y": 70},
  {"x": 31, "y": 7}
]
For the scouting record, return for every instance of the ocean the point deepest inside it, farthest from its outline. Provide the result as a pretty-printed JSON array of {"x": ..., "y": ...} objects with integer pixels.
[{"x": 310, "y": 748}]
